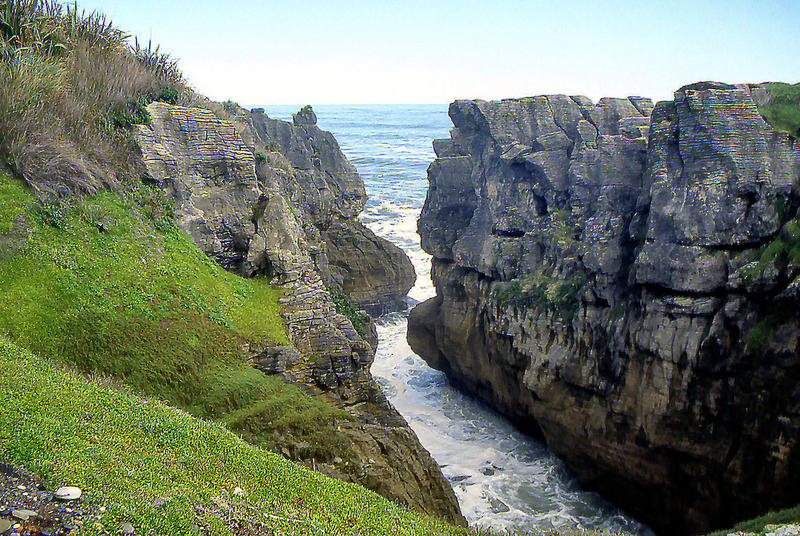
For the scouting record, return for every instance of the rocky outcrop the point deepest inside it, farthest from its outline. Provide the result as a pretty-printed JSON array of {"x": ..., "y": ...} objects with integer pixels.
[
  {"x": 328, "y": 195},
  {"x": 253, "y": 208},
  {"x": 621, "y": 280}
]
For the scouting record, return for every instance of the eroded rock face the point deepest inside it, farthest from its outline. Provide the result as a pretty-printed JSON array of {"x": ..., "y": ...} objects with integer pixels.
[
  {"x": 269, "y": 215},
  {"x": 620, "y": 278},
  {"x": 329, "y": 194}
]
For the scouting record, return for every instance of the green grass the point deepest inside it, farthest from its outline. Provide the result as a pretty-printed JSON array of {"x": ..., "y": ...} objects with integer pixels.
[
  {"x": 108, "y": 284},
  {"x": 15, "y": 198},
  {"x": 783, "y": 110},
  {"x": 756, "y": 525},
  {"x": 125, "y": 451}
]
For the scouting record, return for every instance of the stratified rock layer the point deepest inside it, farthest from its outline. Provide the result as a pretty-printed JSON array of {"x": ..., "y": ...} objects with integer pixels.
[
  {"x": 261, "y": 208},
  {"x": 329, "y": 194},
  {"x": 621, "y": 279}
]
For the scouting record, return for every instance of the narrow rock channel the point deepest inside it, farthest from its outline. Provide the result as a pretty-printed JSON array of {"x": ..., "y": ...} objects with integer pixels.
[{"x": 502, "y": 478}]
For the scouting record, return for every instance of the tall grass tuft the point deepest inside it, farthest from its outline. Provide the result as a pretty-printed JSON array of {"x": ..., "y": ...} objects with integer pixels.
[{"x": 66, "y": 77}]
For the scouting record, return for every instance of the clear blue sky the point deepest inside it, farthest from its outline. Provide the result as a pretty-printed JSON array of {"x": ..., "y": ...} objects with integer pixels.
[{"x": 434, "y": 51}]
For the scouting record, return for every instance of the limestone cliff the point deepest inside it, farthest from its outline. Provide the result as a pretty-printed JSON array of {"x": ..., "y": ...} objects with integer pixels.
[
  {"x": 259, "y": 208},
  {"x": 329, "y": 194},
  {"x": 621, "y": 279}
]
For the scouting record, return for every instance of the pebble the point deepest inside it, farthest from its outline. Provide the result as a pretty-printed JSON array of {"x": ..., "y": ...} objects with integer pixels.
[
  {"x": 239, "y": 492},
  {"x": 68, "y": 493},
  {"x": 158, "y": 502},
  {"x": 24, "y": 515},
  {"x": 127, "y": 529},
  {"x": 4, "y": 526}
]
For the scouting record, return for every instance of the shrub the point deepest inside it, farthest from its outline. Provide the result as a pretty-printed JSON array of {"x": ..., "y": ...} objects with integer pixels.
[
  {"x": 230, "y": 107},
  {"x": 137, "y": 116},
  {"x": 162, "y": 65},
  {"x": 53, "y": 213},
  {"x": 758, "y": 334},
  {"x": 261, "y": 157}
]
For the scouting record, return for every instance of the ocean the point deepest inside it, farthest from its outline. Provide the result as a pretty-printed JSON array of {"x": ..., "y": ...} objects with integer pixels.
[{"x": 502, "y": 478}]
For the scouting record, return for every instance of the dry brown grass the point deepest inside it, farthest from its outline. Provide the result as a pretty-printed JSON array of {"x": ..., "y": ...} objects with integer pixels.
[{"x": 64, "y": 75}]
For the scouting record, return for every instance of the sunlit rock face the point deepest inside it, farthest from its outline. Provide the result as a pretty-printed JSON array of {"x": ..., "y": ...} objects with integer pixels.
[{"x": 620, "y": 278}]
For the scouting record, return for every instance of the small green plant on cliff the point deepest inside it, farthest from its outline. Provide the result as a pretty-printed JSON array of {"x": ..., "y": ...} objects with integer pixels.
[
  {"x": 543, "y": 292},
  {"x": 231, "y": 107},
  {"x": 758, "y": 334},
  {"x": 783, "y": 109},
  {"x": 563, "y": 229},
  {"x": 345, "y": 306},
  {"x": 260, "y": 157}
]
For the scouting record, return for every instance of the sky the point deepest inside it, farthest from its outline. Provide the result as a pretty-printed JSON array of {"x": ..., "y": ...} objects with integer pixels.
[{"x": 435, "y": 51}]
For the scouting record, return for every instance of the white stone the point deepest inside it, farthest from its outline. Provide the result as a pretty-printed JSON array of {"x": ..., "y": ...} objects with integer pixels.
[{"x": 68, "y": 493}]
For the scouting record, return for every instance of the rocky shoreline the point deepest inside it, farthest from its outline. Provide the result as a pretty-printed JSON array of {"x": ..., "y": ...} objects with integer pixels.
[{"x": 606, "y": 277}]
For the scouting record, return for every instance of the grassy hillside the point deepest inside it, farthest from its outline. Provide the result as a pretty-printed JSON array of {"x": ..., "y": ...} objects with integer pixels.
[
  {"x": 783, "y": 110},
  {"x": 126, "y": 451},
  {"x": 108, "y": 284}
]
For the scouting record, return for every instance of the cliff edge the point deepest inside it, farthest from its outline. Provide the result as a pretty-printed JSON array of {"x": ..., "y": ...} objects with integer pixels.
[{"x": 620, "y": 279}]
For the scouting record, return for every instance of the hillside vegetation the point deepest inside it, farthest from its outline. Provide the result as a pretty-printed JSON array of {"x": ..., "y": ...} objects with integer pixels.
[
  {"x": 127, "y": 451},
  {"x": 71, "y": 84},
  {"x": 108, "y": 284},
  {"x": 783, "y": 109}
]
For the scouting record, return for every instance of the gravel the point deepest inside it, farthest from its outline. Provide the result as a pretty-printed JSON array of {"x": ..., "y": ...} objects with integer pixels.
[{"x": 37, "y": 510}]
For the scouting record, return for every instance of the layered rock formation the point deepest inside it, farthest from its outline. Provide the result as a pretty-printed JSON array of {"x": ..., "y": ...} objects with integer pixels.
[
  {"x": 621, "y": 279},
  {"x": 329, "y": 194},
  {"x": 283, "y": 209}
]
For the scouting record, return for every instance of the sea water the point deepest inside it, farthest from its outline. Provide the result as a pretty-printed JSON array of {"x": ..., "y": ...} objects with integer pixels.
[{"x": 503, "y": 479}]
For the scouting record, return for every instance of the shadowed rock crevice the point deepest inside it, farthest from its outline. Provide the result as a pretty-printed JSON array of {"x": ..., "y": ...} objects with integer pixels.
[{"x": 621, "y": 279}]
